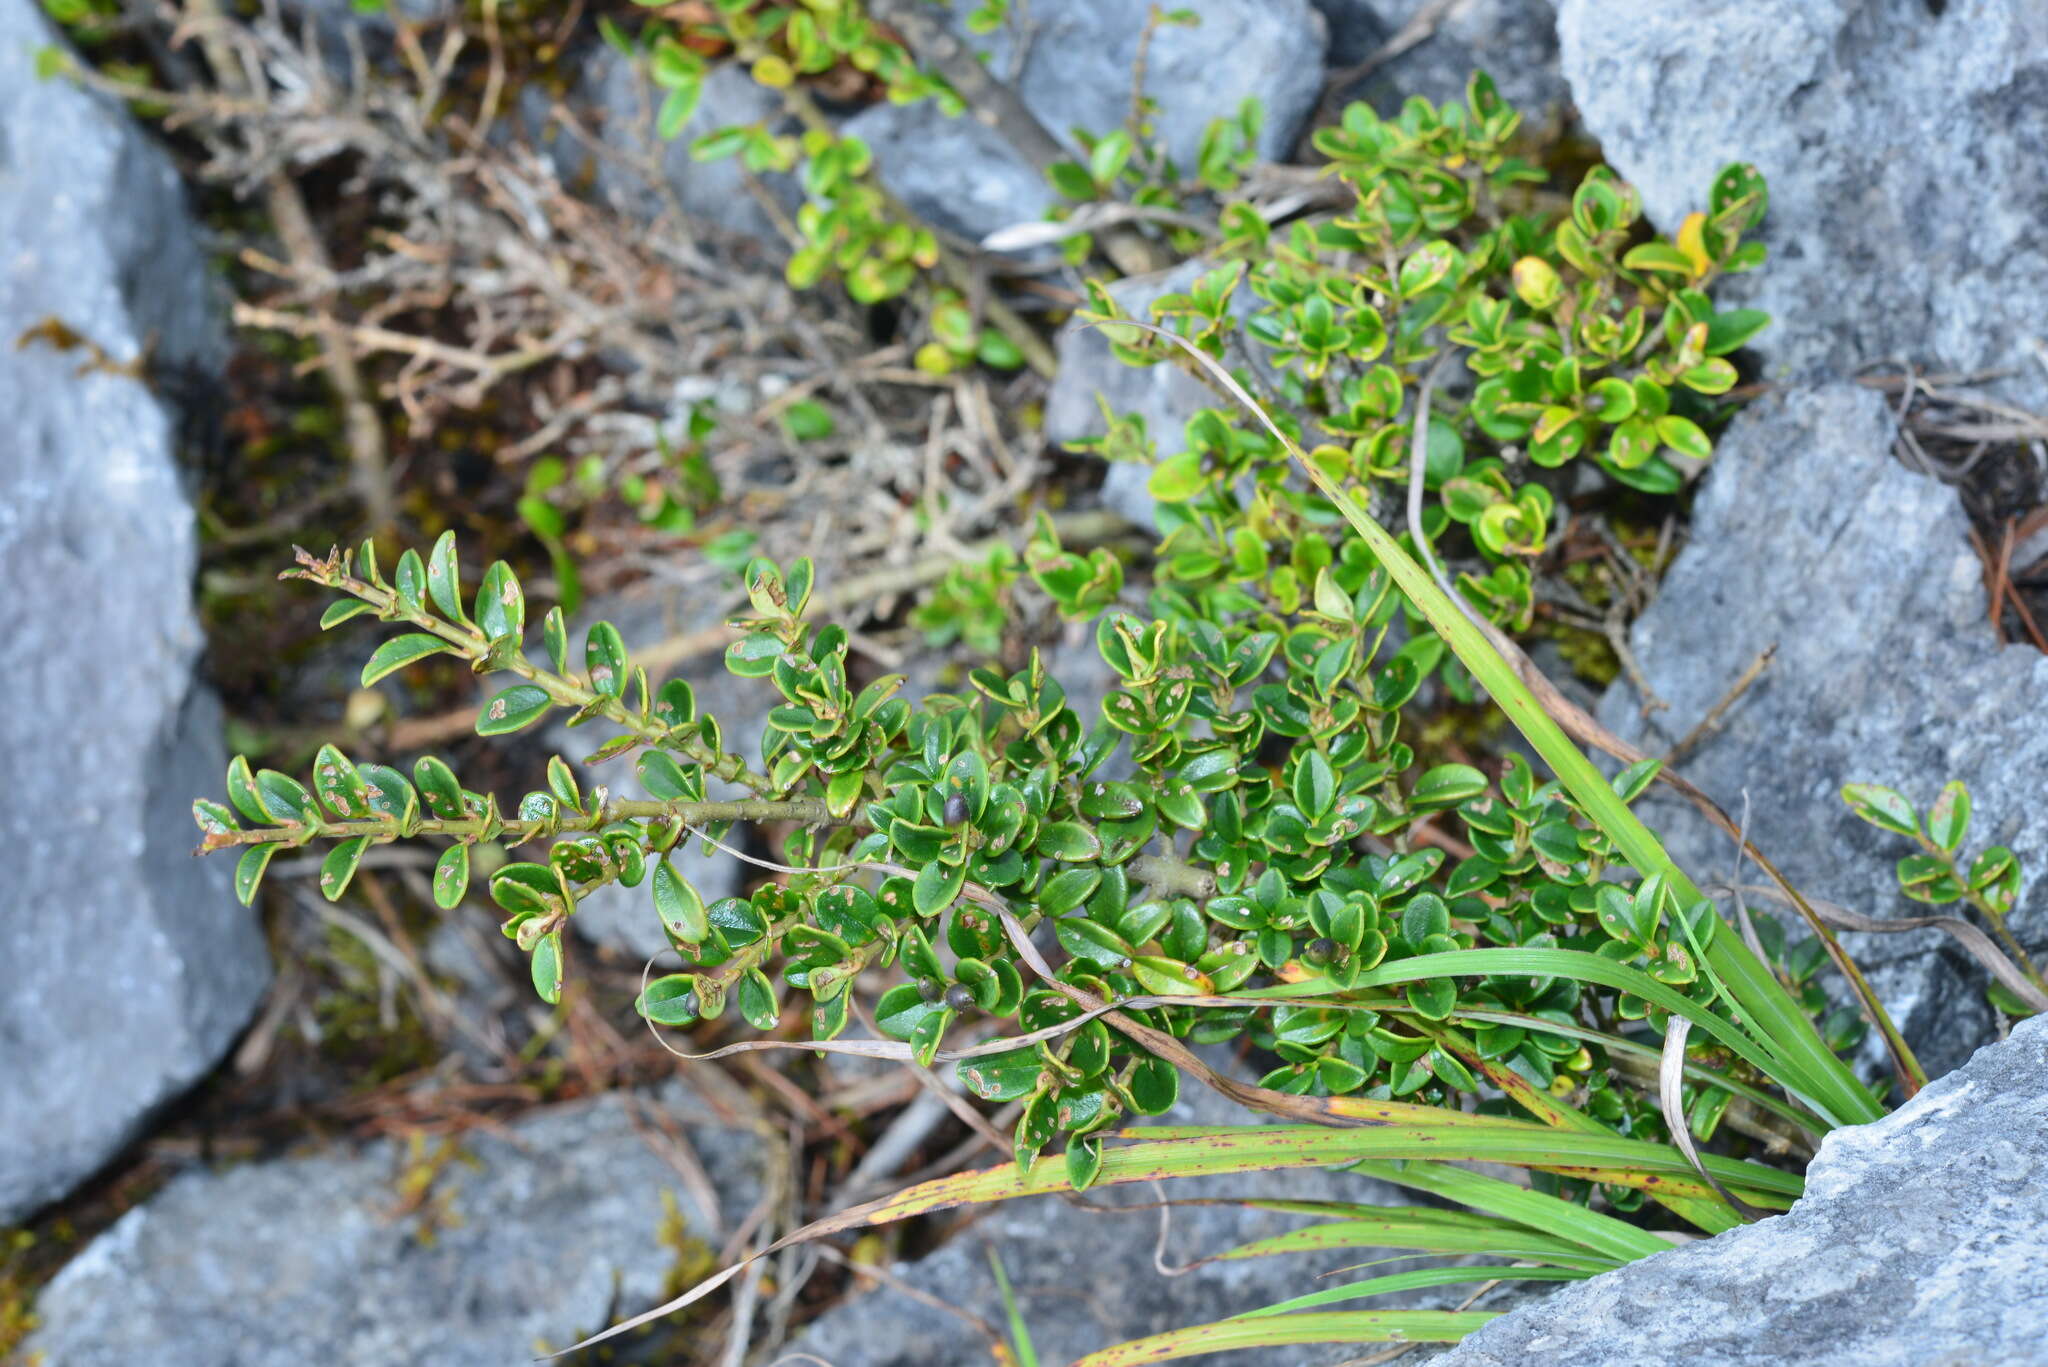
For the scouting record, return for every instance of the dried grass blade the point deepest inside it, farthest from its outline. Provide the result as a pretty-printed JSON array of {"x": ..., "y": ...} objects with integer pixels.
[{"x": 1671, "y": 1099}]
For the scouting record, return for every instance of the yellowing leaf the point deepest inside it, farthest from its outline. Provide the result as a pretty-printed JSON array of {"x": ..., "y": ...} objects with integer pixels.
[{"x": 1692, "y": 240}]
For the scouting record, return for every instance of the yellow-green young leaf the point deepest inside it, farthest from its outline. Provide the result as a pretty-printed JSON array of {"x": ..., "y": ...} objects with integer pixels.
[
  {"x": 1881, "y": 806},
  {"x": 547, "y": 967},
  {"x": 1168, "y": 977},
  {"x": 1427, "y": 266},
  {"x": 249, "y": 871},
  {"x": 396, "y": 654},
  {"x": 1683, "y": 435},
  {"x": 1711, "y": 376},
  {"x": 1949, "y": 819},
  {"x": 1658, "y": 256},
  {"x": 1177, "y": 478},
  {"x": 451, "y": 877},
  {"x": 562, "y": 784},
  {"x": 1611, "y": 400},
  {"x": 514, "y": 709},
  {"x": 1536, "y": 283},
  {"x": 1330, "y": 599},
  {"x": 806, "y": 267}
]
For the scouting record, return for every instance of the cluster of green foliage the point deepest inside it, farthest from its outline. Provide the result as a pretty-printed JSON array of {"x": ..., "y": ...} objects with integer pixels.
[
  {"x": 851, "y": 228},
  {"x": 1581, "y": 339},
  {"x": 1234, "y": 846},
  {"x": 1243, "y": 812},
  {"x": 1989, "y": 883}
]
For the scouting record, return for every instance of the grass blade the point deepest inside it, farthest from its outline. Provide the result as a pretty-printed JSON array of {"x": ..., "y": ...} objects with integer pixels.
[
  {"x": 1536, "y": 1210},
  {"x": 1414, "y": 1281},
  {"x": 1280, "y": 1331},
  {"x": 1391, "y": 1230},
  {"x": 1020, "y": 1332}
]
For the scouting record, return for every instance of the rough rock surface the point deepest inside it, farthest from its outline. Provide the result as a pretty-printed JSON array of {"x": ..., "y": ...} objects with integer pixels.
[
  {"x": 1808, "y": 534},
  {"x": 954, "y": 173},
  {"x": 1085, "y": 1280},
  {"x": 1919, "y": 1241},
  {"x": 624, "y": 100},
  {"x": 130, "y": 967},
  {"x": 1081, "y": 54},
  {"x": 1164, "y": 395},
  {"x": 1902, "y": 142},
  {"x": 623, "y": 918},
  {"x": 530, "y": 1240},
  {"x": 1513, "y": 41}
]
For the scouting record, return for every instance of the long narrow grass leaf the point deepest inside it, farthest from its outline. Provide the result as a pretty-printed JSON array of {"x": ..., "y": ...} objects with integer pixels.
[
  {"x": 1281, "y": 1331},
  {"x": 1535, "y": 1210},
  {"x": 1416, "y": 1280},
  {"x": 1389, "y": 1230},
  {"x": 1020, "y": 1332}
]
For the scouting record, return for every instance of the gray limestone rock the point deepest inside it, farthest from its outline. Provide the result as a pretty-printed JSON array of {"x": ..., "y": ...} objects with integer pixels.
[
  {"x": 1807, "y": 534},
  {"x": 623, "y": 99},
  {"x": 1919, "y": 1241},
  {"x": 1164, "y": 395},
  {"x": 524, "y": 1242},
  {"x": 1085, "y": 1279},
  {"x": 130, "y": 967},
  {"x": 1902, "y": 142},
  {"x": 954, "y": 173},
  {"x": 1513, "y": 41},
  {"x": 1081, "y": 54}
]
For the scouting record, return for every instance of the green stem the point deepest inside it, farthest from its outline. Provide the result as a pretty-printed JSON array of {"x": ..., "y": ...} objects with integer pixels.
[
  {"x": 381, "y": 829},
  {"x": 1984, "y": 908},
  {"x": 472, "y": 645}
]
